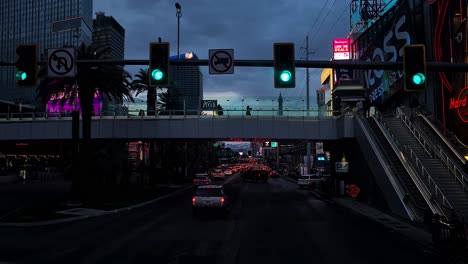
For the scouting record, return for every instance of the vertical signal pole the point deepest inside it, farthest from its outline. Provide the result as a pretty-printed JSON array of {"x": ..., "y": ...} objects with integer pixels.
[{"x": 307, "y": 76}]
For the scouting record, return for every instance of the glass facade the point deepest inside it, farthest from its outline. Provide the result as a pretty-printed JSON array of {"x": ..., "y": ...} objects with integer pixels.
[
  {"x": 30, "y": 22},
  {"x": 187, "y": 81}
]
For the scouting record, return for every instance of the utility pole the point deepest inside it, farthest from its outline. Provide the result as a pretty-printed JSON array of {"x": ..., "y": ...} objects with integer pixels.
[
  {"x": 307, "y": 75},
  {"x": 309, "y": 160}
]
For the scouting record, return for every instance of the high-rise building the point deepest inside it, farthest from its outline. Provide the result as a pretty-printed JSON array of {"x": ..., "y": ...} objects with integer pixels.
[
  {"x": 47, "y": 23},
  {"x": 187, "y": 82},
  {"x": 108, "y": 33}
]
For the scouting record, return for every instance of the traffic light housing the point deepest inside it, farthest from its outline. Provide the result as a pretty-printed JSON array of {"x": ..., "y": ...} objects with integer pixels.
[
  {"x": 159, "y": 64},
  {"x": 284, "y": 65},
  {"x": 266, "y": 144},
  {"x": 414, "y": 68},
  {"x": 26, "y": 65}
]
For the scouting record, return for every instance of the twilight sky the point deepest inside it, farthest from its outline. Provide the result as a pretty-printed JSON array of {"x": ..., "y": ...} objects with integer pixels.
[{"x": 250, "y": 27}]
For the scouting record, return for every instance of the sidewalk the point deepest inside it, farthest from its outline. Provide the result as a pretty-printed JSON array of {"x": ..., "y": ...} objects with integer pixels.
[
  {"x": 41, "y": 203},
  {"x": 417, "y": 234},
  {"x": 409, "y": 231}
]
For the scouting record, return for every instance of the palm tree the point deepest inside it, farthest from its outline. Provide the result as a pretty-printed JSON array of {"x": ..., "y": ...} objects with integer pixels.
[
  {"x": 141, "y": 84},
  {"x": 111, "y": 80},
  {"x": 169, "y": 102}
]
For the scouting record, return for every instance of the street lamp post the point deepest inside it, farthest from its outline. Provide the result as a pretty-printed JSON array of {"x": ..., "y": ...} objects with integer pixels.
[{"x": 178, "y": 15}]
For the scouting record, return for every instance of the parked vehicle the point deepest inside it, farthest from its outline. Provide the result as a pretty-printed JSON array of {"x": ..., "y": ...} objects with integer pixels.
[{"x": 309, "y": 180}]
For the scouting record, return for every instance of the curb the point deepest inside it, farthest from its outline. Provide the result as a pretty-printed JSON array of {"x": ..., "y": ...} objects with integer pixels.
[
  {"x": 409, "y": 237},
  {"x": 77, "y": 218}
]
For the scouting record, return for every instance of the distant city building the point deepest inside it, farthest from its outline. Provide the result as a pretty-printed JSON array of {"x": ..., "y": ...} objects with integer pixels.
[
  {"x": 187, "y": 82},
  {"x": 47, "y": 23},
  {"x": 108, "y": 33}
]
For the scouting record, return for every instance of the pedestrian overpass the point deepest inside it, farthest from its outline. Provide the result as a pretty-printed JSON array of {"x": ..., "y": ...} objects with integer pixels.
[{"x": 37, "y": 126}]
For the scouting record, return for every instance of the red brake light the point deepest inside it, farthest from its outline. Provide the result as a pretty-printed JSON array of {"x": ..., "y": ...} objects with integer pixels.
[
  {"x": 193, "y": 200},
  {"x": 222, "y": 199}
]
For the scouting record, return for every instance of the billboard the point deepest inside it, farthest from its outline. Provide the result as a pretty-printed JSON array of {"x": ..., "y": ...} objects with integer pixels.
[
  {"x": 384, "y": 41},
  {"x": 341, "y": 49}
]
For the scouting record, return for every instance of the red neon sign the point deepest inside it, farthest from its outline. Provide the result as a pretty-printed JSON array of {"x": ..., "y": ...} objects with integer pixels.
[{"x": 460, "y": 104}]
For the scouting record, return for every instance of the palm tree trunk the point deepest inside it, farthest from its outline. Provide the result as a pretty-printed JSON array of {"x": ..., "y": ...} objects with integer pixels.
[{"x": 86, "y": 103}]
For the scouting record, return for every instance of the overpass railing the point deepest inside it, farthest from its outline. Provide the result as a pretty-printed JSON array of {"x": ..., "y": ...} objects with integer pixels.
[{"x": 181, "y": 114}]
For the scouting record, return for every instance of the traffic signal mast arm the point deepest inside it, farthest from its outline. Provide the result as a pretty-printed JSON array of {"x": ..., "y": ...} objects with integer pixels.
[{"x": 431, "y": 66}]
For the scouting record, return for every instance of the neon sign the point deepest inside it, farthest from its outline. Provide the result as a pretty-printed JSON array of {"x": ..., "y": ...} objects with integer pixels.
[{"x": 460, "y": 105}]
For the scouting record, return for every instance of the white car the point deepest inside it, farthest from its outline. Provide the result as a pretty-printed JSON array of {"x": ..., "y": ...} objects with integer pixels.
[
  {"x": 210, "y": 197},
  {"x": 309, "y": 180}
]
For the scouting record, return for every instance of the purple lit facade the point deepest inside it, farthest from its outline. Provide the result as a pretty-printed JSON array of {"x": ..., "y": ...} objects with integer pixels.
[{"x": 54, "y": 105}]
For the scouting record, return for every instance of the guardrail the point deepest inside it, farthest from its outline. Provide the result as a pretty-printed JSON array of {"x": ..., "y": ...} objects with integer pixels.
[
  {"x": 430, "y": 182},
  {"x": 303, "y": 114}
]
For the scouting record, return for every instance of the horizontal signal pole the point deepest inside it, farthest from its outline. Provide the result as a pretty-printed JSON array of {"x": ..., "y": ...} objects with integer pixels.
[{"x": 364, "y": 65}]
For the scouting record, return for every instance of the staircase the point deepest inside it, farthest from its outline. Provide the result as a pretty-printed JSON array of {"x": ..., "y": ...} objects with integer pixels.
[{"x": 438, "y": 171}]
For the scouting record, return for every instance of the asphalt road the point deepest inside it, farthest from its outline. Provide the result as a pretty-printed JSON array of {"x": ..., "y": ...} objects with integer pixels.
[{"x": 269, "y": 223}]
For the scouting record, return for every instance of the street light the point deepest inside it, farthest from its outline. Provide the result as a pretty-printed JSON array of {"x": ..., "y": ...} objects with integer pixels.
[{"x": 178, "y": 15}]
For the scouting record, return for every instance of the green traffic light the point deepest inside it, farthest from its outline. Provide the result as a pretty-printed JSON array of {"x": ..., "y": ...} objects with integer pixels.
[
  {"x": 157, "y": 74},
  {"x": 419, "y": 78},
  {"x": 21, "y": 76},
  {"x": 285, "y": 76}
]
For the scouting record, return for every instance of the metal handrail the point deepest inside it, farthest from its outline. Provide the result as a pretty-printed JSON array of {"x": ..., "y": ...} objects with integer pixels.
[
  {"x": 442, "y": 137},
  {"x": 425, "y": 174},
  {"x": 427, "y": 147},
  {"x": 395, "y": 181},
  {"x": 303, "y": 114},
  {"x": 415, "y": 178},
  {"x": 453, "y": 168},
  {"x": 458, "y": 173}
]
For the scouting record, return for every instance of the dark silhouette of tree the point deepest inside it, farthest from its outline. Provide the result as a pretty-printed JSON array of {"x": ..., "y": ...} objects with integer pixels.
[
  {"x": 110, "y": 80},
  {"x": 141, "y": 84}
]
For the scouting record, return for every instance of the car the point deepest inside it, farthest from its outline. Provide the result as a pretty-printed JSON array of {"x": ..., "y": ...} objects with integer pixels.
[
  {"x": 255, "y": 175},
  {"x": 309, "y": 180},
  {"x": 201, "y": 179},
  {"x": 210, "y": 197},
  {"x": 217, "y": 173},
  {"x": 228, "y": 172},
  {"x": 274, "y": 173}
]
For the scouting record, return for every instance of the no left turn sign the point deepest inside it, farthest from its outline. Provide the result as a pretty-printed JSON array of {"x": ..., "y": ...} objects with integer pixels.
[{"x": 221, "y": 61}]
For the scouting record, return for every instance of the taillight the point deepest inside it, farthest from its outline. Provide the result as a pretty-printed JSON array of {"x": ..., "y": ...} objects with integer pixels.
[
  {"x": 222, "y": 200},
  {"x": 193, "y": 200}
]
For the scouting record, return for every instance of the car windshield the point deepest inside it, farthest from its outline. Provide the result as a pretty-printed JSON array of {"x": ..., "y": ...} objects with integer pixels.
[{"x": 207, "y": 192}]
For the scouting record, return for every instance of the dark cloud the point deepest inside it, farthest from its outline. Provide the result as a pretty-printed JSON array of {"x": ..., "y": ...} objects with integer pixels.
[{"x": 249, "y": 27}]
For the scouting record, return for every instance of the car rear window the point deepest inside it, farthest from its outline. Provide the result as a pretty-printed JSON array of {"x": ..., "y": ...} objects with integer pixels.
[
  {"x": 200, "y": 177},
  {"x": 207, "y": 192},
  {"x": 304, "y": 177}
]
